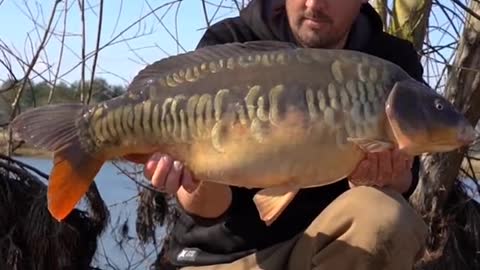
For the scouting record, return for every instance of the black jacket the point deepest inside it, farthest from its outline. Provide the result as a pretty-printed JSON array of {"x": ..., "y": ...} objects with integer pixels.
[{"x": 240, "y": 231}]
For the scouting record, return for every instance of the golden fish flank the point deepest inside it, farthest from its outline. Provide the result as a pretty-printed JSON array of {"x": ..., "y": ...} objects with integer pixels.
[
  {"x": 241, "y": 113},
  {"x": 183, "y": 119},
  {"x": 344, "y": 98},
  {"x": 362, "y": 70},
  {"x": 128, "y": 117},
  {"x": 373, "y": 75},
  {"x": 145, "y": 111},
  {"x": 191, "y": 104},
  {"x": 204, "y": 115},
  {"x": 337, "y": 71},
  {"x": 322, "y": 100},
  {"x": 333, "y": 97},
  {"x": 156, "y": 120},
  {"x": 304, "y": 58},
  {"x": 96, "y": 126},
  {"x": 176, "y": 116},
  {"x": 250, "y": 100},
  {"x": 362, "y": 95},
  {"x": 312, "y": 109},
  {"x": 118, "y": 117},
  {"x": 218, "y": 103},
  {"x": 191, "y": 74}
]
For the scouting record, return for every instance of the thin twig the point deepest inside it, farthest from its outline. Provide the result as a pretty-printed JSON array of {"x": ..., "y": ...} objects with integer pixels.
[
  {"x": 81, "y": 89},
  {"x": 97, "y": 51}
]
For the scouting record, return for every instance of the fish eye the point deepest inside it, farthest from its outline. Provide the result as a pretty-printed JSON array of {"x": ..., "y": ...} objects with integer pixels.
[{"x": 438, "y": 105}]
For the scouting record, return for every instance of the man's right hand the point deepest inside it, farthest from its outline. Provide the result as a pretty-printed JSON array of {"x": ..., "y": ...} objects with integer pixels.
[
  {"x": 168, "y": 175},
  {"x": 208, "y": 200}
]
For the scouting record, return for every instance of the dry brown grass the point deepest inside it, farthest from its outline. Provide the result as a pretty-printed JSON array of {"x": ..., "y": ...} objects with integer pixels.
[{"x": 29, "y": 237}]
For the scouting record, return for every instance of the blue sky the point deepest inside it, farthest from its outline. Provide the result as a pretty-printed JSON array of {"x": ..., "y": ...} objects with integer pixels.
[
  {"x": 123, "y": 59},
  {"x": 120, "y": 62}
]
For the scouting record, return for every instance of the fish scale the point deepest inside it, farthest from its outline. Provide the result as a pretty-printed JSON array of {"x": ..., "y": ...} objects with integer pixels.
[{"x": 263, "y": 114}]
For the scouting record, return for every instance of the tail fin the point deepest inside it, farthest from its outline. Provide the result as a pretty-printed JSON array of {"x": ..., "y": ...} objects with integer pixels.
[{"x": 54, "y": 128}]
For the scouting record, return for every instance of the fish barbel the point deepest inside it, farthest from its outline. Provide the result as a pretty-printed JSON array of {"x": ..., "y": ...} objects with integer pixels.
[{"x": 262, "y": 114}]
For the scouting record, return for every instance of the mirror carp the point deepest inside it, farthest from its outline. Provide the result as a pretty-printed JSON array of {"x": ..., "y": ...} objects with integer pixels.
[{"x": 260, "y": 114}]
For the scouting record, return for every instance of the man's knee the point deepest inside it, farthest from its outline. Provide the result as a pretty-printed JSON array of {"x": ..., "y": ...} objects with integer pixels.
[
  {"x": 375, "y": 228},
  {"x": 380, "y": 215}
]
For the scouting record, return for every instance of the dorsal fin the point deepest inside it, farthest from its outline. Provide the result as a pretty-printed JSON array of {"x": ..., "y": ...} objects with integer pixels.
[{"x": 207, "y": 54}]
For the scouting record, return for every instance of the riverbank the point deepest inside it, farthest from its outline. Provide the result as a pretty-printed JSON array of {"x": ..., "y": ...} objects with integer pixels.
[
  {"x": 31, "y": 153},
  {"x": 24, "y": 150}
]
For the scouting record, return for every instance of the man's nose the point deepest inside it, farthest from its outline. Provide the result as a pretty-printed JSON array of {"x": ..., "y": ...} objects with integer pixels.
[{"x": 316, "y": 4}]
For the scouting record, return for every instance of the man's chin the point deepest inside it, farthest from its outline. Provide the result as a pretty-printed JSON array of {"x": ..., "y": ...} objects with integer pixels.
[{"x": 314, "y": 41}]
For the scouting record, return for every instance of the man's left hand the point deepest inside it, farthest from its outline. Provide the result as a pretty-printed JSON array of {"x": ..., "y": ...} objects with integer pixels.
[{"x": 384, "y": 169}]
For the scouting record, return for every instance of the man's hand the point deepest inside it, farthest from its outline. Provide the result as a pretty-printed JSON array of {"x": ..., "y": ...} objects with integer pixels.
[
  {"x": 389, "y": 168},
  {"x": 168, "y": 175},
  {"x": 208, "y": 200}
]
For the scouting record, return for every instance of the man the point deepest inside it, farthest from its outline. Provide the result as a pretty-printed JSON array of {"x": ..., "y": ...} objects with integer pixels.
[{"x": 362, "y": 222}]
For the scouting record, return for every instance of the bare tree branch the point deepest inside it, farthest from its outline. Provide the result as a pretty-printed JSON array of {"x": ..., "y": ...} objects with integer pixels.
[
  {"x": 81, "y": 89},
  {"x": 60, "y": 57},
  {"x": 99, "y": 33}
]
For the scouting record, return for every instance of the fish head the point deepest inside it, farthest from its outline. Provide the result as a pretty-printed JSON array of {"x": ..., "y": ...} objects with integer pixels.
[{"x": 423, "y": 121}]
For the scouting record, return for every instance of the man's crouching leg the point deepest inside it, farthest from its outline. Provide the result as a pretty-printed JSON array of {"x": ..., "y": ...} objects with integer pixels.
[{"x": 365, "y": 228}]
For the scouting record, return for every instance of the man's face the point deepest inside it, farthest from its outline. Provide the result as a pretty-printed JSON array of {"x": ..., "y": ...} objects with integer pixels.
[{"x": 322, "y": 23}]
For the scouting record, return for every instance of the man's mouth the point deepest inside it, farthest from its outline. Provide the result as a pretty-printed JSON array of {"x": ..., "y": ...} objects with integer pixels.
[{"x": 316, "y": 21}]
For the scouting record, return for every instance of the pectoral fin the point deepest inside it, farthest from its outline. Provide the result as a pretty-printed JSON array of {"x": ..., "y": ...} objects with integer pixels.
[
  {"x": 271, "y": 202},
  {"x": 371, "y": 145}
]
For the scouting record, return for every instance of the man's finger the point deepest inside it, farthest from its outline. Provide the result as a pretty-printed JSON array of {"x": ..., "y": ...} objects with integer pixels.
[
  {"x": 151, "y": 165},
  {"x": 159, "y": 176},
  {"x": 385, "y": 169},
  {"x": 149, "y": 169},
  {"x": 359, "y": 170},
  {"x": 360, "y": 175},
  {"x": 188, "y": 183},
  {"x": 401, "y": 162},
  {"x": 172, "y": 181},
  {"x": 373, "y": 169}
]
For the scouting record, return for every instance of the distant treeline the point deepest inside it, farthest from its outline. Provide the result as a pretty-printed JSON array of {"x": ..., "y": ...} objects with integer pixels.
[{"x": 37, "y": 94}]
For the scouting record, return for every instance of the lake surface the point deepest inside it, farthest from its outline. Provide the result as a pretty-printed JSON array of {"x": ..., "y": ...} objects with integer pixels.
[{"x": 120, "y": 195}]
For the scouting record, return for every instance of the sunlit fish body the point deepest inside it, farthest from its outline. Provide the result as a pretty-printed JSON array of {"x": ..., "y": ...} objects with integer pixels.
[{"x": 259, "y": 115}]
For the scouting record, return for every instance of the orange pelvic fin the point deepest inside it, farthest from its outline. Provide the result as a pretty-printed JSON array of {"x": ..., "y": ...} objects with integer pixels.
[{"x": 271, "y": 202}]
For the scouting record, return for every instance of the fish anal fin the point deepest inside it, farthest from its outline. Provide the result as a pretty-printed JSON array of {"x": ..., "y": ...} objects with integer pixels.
[
  {"x": 271, "y": 202},
  {"x": 371, "y": 145},
  {"x": 70, "y": 179}
]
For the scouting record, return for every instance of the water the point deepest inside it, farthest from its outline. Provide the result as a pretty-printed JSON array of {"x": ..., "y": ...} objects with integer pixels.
[{"x": 120, "y": 195}]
